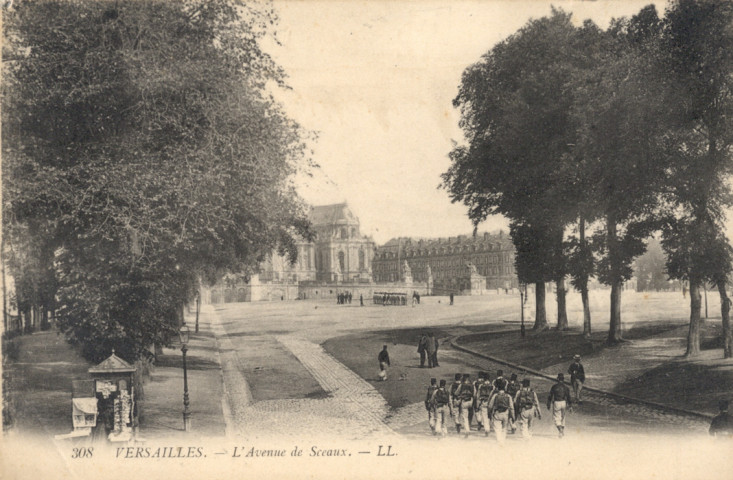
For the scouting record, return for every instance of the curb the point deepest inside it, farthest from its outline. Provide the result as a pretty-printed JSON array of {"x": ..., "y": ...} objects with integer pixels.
[{"x": 455, "y": 344}]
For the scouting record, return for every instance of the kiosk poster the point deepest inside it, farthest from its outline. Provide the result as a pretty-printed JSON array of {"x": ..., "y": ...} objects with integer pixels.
[{"x": 367, "y": 239}]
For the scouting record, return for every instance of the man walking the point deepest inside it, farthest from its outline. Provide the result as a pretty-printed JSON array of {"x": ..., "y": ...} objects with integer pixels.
[
  {"x": 577, "y": 377},
  {"x": 528, "y": 405},
  {"x": 483, "y": 395},
  {"x": 465, "y": 396},
  {"x": 501, "y": 407},
  {"x": 559, "y": 401},
  {"x": 430, "y": 404},
  {"x": 383, "y": 359},
  {"x": 434, "y": 342},
  {"x": 511, "y": 389},
  {"x": 455, "y": 401},
  {"x": 443, "y": 410}
]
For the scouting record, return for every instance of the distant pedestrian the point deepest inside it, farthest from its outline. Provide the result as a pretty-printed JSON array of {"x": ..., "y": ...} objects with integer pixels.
[
  {"x": 577, "y": 377},
  {"x": 559, "y": 402},
  {"x": 451, "y": 298},
  {"x": 350, "y": 295},
  {"x": 430, "y": 404},
  {"x": 443, "y": 409},
  {"x": 528, "y": 406},
  {"x": 722, "y": 424},
  {"x": 383, "y": 359},
  {"x": 431, "y": 350},
  {"x": 422, "y": 348},
  {"x": 361, "y": 300},
  {"x": 501, "y": 408}
]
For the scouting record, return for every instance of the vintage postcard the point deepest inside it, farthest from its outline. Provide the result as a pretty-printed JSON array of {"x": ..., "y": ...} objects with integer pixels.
[{"x": 366, "y": 239}]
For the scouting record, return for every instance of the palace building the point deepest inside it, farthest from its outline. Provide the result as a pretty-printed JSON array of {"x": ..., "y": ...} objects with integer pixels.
[
  {"x": 339, "y": 253},
  {"x": 454, "y": 264}
]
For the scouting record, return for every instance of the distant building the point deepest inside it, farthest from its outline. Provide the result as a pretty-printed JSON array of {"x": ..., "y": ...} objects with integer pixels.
[
  {"x": 340, "y": 253},
  {"x": 453, "y": 264}
]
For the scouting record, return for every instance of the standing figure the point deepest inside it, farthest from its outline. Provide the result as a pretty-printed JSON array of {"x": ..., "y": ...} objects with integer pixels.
[
  {"x": 434, "y": 341},
  {"x": 451, "y": 298},
  {"x": 383, "y": 359},
  {"x": 422, "y": 348},
  {"x": 577, "y": 377},
  {"x": 361, "y": 300},
  {"x": 443, "y": 409},
  {"x": 559, "y": 401},
  {"x": 430, "y": 403},
  {"x": 511, "y": 389},
  {"x": 528, "y": 406},
  {"x": 430, "y": 350},
  {"x": 501, "y": 407}
]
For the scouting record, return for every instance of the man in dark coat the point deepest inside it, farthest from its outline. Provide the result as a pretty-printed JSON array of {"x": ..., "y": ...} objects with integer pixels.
[
  {"x": 577, "y": 377},
  {"x": 432, "y": 341},
  {"x": 383, "y": 359},
  {"x": 558, "y": 402},
  {"x": 422, "y": 348}
]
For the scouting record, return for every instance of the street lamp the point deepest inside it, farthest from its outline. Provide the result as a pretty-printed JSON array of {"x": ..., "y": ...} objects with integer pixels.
[
  {"x": 183, "y": 332},
  {"x": 522, "y": 292}
]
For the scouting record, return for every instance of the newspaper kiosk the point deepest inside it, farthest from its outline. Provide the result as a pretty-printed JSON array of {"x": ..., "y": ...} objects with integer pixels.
[{"x": 115, "y": 395}]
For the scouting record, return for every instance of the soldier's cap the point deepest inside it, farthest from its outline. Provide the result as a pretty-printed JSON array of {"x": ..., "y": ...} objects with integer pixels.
[
  {"x": 514, "y": 376},
  {"x": 457, "y": 376},
  {"x": 576, "y": 357},
  {"x": 442, "y": 382},
  {"x": 384, "y": 346},
  {"x": 432, "y": 381},
  {"x": 499, "y": 373},
  {"x": 560, "y": 376},
  {"x": 525, "y": 382},
  {"x": 481, "y": 375},
  {"x": 465, "y": 376}
]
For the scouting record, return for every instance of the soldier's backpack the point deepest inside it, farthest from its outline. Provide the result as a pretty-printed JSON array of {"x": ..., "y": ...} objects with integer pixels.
[
  {"x": 484, "y": 391},
  {"x": 501, "y": 402},
  {"x": 441, "y": 397},
  {"x": 465, "y": 392},
  {"x": 431, "y": 389},
  {"x": 525, "y": 399}
]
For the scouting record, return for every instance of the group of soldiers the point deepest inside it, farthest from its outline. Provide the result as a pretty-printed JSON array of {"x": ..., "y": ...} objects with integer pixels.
[
  {"x": 500, "y": 404},
  {"x": 386, "y": 298}
]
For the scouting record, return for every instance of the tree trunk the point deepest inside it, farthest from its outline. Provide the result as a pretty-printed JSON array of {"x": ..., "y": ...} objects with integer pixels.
[
  {"x": 693, "y": 337},
  {"x": 614, "y": 329},
  {"x": 725, "y": 314},
  {"x": 540, "y": 319},
  {"x": 562, "y": 312},
  {"x": 586, "y": 310},
  {"x": 45, "y": 325}
]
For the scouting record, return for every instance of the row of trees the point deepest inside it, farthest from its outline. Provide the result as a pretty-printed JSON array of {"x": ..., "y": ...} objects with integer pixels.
[
  {"x": 142, "y": 152},
  {"x": 591, "y": 140}
]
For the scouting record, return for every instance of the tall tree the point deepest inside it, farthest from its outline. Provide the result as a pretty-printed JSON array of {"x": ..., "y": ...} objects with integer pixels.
[
  {"x": 142, "y": 136},
  {"x": 697, "y": 60},
  {"x": 515, "y": 114},
  {"x": 622, "y": 145}
]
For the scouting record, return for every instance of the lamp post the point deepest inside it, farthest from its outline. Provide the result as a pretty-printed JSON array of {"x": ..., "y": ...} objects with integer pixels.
[{"x": 184, "y": 333}]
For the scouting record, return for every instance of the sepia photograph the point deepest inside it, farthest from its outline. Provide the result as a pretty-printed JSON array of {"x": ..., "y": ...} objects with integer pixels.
[{"x": 367, "y": 239}]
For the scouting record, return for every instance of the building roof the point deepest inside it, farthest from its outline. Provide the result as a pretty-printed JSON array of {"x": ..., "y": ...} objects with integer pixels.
[
  {"x": 113, "y": 364},
  {"x": 499, "y": 239},
  {"x": 336, "y": 214}
]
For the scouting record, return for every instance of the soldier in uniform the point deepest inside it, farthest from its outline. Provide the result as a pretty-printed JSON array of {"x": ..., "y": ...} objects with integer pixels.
[
  {"x": 501, "y": 408},
  {"x": 442, "y": 402},
  {"x": 455, "y": 401},
  {"x": 465, "y": 395},
  {"x": 511, "y": 389},
  {"x": 528, "y": 406},
  {"x": 430, "y": 405},
  {"x": 577, "y": 377},
  {"x": 559, "y": 401},
  {"x": 499, "y": 380},
  {"x": 483, "y": 395}
]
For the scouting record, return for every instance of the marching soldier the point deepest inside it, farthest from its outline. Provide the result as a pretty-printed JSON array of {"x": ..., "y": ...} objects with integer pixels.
[
  {"x": 483, "y": 395},
  {"x": 465, "y": 401},
  {"x": 511, "y": 389},
  {"x": 501, "y": 407},
  {"x": 499, "y": 380},
  {"x": 559, "y": 401},
  {"x": 528, "y": 406},
  {"x": 430, "y": 405},
  {"x": 443, "y": 410},
  {"x": 455, "y": 401}
]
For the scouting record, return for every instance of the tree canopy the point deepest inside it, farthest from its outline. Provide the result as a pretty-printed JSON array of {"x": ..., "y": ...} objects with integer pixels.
[{"x": 144, "y": 138}]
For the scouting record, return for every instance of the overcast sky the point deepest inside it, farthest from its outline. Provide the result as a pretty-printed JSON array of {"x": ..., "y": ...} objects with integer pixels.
[{"x": 376, "y": 79}]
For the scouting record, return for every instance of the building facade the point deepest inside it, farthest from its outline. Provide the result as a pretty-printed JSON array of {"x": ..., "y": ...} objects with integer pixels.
[
  {"x": 453, "y": 264},
  {"x": 338, "y": 254}
]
